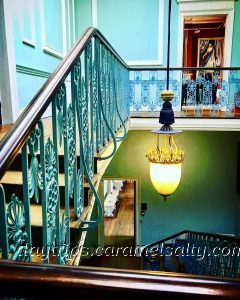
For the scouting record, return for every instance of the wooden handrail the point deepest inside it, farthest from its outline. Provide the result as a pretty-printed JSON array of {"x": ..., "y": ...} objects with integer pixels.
[
  {"x": 205, "y": 234},
  {"x": 15, "y": 138},
  {"x": 45, "y": 281}
]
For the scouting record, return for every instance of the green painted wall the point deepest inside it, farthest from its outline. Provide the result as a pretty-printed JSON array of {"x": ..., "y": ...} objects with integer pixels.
[
  {"x": 235, "y": 62},
  {"x": 206, "y": 198}
]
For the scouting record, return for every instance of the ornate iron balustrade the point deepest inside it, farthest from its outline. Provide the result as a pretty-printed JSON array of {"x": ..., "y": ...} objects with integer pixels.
[
  {"x": 198, "y": 92},
  {"x": 195, "y": 253},
  {"x": 87, "y": 95}
]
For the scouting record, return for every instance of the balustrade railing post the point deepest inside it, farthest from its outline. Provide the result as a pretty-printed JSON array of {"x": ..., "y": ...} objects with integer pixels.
[
  {"x": 78, "y": 173},
  {"x": 85, "y": 106},
  {"x": 3, "y": 228},
  {"x": 91, "y": 106},
  {"x": 44, "y": 196},
  {"x": 103, "y": 91},
  {"x": 52, "y": 178},
  {"x": 98, "y": 92},
  {"x": 26, "y": 196}
]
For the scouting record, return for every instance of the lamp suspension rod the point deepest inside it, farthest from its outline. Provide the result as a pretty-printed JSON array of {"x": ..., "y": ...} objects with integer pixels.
[{"x": 168, "y": 49}]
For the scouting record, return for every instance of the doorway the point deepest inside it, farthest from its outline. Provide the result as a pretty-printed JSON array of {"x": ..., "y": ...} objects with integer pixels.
[
  {"x": 120, "y": 212},
  {"x": 207, "y": 9},
  {"x": 203, "y": 47},
  {"x": 203, "y": 33}
]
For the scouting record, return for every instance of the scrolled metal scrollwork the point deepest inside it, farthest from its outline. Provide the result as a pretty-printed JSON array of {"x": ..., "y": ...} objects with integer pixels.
[
  {"x": 71, "y": 141},
  {"x": 17, "y": 234},
  {"x": 52, "y": 191},
  {"x": 60, "y": 97},
  {"x": 80, "y": 193},
  {"x": 64, "y": 247},
  {"x": 34, "y": 172}
]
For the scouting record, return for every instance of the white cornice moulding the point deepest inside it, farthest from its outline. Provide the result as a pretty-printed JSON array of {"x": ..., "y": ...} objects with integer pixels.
[
  {"x": 180, "y": 1},
  {"x": 138, "y": 63},
  {"x": 205, "y": 6},
  {"x": 188, "y": 124}
]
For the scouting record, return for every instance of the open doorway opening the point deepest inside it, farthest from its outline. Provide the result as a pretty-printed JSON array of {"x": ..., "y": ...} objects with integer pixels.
[
  {"x": 203, "y": 47},
  {"x": 120, "y": 237},
  {"x": 119, "y": 212},
  {"x": 204, "y": 41}
]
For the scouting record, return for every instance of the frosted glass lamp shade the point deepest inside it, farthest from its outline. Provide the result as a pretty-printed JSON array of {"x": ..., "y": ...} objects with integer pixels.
[{"x": 165, "y": 177}]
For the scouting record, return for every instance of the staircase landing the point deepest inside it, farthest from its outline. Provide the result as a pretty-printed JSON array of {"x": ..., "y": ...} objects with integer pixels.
[{"x": 114, "y": 262}]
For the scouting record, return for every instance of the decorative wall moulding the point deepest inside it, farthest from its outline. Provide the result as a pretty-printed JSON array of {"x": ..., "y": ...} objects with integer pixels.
[
  {"x": 53, "y": 52},
  {"x": 32, "y": 71},
  {"x": 47, "y": 46},
  {"x": 29, "y": 43}
]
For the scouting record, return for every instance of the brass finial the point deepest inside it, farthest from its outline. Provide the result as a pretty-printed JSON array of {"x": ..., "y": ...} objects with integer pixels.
[{"x": 167, "y": 95}]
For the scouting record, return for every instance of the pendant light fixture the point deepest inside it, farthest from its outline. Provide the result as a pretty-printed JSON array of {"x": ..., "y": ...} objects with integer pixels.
[{"x": 166, "y": 159}]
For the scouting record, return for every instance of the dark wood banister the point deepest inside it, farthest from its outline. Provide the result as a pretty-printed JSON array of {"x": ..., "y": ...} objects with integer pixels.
[
  {"x": 19, "y": 279},
  {"x": 206, "y": 234},
  {"x": 15, "y": 138}
]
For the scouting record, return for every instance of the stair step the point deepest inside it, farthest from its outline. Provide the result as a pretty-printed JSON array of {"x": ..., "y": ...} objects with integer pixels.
[
  {"x": 12, "y": 183},
  {"x": 15, "y": 177},
  {"x": 119, "y": 262},
  {"x": 36, "y": 216},
  {"x": 38, "y": 257},
  {"x": 16, "y": 165},
  {"x": 37, "y": 230}
]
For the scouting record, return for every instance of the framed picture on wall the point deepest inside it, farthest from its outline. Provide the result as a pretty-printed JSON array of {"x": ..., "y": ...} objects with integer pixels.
[{"x": 210, "y": 52}]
